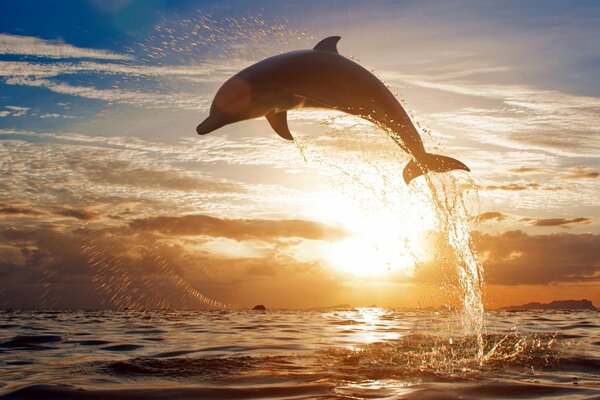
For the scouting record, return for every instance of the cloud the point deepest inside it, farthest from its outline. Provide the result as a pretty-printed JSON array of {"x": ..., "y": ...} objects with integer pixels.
[
  {"x": 44, "y": 75},
  {"x": 563, "y": 222},
  {"x": 514, "y": 116},
  {"x": 14, "y": 111},
  {"x": 133, "y": 266},
  {"x": 206, "y": 72},
  {"x": 515, "y": 187},
  {"x": 35, "y": 47},
  {"x": 491, "y": 216},
  {"x": 92, "y": 269},
  {"x": 56, "y": 115},
  {"x": 526, "y": 170},
  {"x": 6, "y": 209},
  {"x": 580, "y": 172},
  {"x": 50, "y": 172},
  {"x": 518, "y": 258},
  {"x": 129, "y": 174},
  {"x": 186, "y": 101},
  {"x": 83, "y": 215},
  {"x": 150, "y": 264},
  {"x": 238, "y": 229},
  {"x": 514, "y": 257}
]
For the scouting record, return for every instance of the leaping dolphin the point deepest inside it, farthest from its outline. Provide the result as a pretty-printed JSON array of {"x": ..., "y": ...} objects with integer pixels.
[{"x": 320, "y": 78}]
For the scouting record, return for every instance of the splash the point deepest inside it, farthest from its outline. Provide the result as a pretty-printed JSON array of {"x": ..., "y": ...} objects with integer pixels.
[
  {"x": 443, "y": 358},
  {"x": 372, "y": 177},
  {"x": 453, "y": 217},
  {"x": 447, "y": 196}
]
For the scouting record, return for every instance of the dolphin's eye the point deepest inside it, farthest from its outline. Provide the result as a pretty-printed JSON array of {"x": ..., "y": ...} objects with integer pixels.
[{"x": 234, "y": 96}]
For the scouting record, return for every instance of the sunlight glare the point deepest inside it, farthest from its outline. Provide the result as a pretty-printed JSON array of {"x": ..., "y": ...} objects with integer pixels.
[{"x": 383, "y": 239}]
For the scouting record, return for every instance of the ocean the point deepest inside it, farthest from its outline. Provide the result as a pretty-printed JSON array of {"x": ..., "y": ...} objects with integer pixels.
[{"x": 361, "y": 353}]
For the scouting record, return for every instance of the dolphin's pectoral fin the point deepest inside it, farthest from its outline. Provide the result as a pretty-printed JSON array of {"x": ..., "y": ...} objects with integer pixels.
[
  {"x": 278, "y": 121},
  {"x": 328, "y": 44}
]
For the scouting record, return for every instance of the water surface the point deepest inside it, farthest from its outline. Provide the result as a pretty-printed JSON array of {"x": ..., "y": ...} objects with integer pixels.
[{"x": 353, "y": 353}]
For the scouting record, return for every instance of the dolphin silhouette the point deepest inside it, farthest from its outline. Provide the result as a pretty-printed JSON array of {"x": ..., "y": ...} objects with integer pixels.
[{"x": 320, "y": 78}]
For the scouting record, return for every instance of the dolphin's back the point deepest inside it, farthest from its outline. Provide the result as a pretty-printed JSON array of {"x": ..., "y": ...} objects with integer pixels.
[{"x": 328, "y": 80}]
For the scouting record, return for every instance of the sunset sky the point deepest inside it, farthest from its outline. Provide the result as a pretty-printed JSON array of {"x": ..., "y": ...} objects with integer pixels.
[{"x": 109, "y": 198}]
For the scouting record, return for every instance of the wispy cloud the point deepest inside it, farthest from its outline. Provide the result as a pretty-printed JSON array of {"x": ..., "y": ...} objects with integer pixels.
[
  {"x": 125, "y": 173},
  {"x": 562, "y": 222},
  {"x": 526, "y": 170},
  {"x": 56, "y": 115},
  {"x": 81, "y": 214},
  {"x": 14, "y": 111},
  {"x": 16, "y": 210},
  {"x": 247, "y": 229},
  {"x": 44, "y": 75},
  {"x": 521, "y": 116},
  {"x": 36, "y": 47},
  {"x": 186, "y": 101},
  {"x": 61, "y": 171},
  {"x": 516, "y": 187},
  {"x": 121, "y": 173},
  {"x": 580, "y": 172},
  {"x": 210, "y": 72}
]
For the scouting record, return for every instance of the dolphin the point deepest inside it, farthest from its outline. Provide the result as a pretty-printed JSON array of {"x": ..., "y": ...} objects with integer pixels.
[{"x": 320, "y": 78}]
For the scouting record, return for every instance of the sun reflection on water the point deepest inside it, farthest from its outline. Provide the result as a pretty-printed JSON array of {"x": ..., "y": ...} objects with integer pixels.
[{"x": 368, "y": 325}]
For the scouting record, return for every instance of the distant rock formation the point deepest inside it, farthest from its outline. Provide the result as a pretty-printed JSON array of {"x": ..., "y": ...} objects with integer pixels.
[
  {"x": 556, "y": 305},
  {"x": 259, "y": 307}
]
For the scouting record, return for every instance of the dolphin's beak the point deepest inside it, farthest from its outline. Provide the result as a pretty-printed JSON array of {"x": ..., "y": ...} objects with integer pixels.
[{"x": 210, "y": 124}]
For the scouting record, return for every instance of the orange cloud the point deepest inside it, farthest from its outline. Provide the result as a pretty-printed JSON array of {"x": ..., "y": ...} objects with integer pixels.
[
  {"x": 13, "y": 210},
  {"x": 81, "y": 214},
  {"x": 145, "y": 265},
  {"x": 562, "y": 222},
  {"x": 580, "y": 172},
  {"x": 525, "y": 170},
  {"x": 491, "y": 216},
  {"x": 517, "y": 258},
  {"x": 148, "y": 264},
  {"x": 514, "y": 257},
  {"x": 518, "y": 187},
  {"x": 237, "y": 229}
]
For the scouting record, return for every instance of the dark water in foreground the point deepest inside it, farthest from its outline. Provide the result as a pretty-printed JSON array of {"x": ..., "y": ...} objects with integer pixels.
[{"x": 362, "y": 353}]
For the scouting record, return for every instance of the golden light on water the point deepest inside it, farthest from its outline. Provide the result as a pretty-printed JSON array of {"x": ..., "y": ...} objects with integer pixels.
[{"x": 369, "y": 324}]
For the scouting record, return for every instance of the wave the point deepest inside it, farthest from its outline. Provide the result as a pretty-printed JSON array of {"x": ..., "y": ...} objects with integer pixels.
[{"x": 47, "y": 392}]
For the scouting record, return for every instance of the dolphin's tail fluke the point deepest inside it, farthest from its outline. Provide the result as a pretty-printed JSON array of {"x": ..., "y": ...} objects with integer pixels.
[{"x": 431, "y": 162}]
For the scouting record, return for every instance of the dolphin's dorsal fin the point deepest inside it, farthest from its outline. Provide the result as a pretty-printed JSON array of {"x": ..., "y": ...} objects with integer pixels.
[
  {"x": 328, "y": 44},
  {"x": 278, "y": 121}
]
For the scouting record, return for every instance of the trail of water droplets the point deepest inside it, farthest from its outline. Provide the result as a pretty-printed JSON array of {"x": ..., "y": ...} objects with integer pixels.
[{"x": 124, "y": 288}]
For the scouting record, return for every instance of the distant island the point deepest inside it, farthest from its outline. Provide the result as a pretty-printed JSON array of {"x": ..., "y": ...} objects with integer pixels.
[{"x": 556, "y": 305}]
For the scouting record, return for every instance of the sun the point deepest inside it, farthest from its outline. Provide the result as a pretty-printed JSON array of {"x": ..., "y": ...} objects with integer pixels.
[
  {"x": 362, "y": 258},
  {"x": 386, "y": 220},
  {"x": 385, "y": 235}
]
